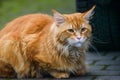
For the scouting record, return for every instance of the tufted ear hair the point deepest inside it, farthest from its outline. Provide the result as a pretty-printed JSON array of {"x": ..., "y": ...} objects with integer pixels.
[
  {"x": 88, "y": 14},
  {"x": 58, "y": 17}
]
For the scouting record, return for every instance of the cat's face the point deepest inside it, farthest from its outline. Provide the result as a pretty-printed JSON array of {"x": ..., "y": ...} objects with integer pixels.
[
  {"x": 72, "y": 29},
  {"x": 78, "y": 35}
]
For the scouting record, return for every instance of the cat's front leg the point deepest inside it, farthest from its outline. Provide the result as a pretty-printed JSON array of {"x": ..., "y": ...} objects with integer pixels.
[
  {"x": 30, "y": 74},
  {"x": 57, "y": 74}
]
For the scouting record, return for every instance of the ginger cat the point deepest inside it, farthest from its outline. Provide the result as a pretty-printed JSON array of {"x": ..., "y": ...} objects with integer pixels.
[{"x": 32, "y": 44}]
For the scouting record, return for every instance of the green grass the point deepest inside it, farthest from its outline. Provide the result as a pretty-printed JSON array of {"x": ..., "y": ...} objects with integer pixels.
[{"x": 10, "y": 9}]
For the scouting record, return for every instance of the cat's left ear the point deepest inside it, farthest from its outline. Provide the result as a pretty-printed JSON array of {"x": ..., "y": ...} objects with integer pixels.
[
  {"x": 87, "y": 15},
  {"x": 58, "y": 18}
]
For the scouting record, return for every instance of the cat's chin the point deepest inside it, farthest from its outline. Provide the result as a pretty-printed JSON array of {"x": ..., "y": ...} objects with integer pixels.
[{"x": 77, "y": 45}]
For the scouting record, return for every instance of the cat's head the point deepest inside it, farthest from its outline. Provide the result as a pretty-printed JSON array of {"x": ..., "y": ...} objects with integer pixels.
[{"x": 72, "y": 29}]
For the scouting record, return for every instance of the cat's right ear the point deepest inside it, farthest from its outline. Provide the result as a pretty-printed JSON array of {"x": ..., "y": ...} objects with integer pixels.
[
  {"x": 88, "y": 14},
  {"x": 58, "y": 18}
]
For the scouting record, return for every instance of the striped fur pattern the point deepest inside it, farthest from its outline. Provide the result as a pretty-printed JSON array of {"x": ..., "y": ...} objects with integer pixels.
[{"x": 34, "y": 43}]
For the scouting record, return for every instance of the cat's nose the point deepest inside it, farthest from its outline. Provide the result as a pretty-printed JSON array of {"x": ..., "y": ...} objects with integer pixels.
[{"x": 78, "y": 38}]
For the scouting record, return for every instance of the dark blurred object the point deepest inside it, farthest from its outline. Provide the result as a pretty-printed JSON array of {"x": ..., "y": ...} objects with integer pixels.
[{"x": 105, "y": 23}]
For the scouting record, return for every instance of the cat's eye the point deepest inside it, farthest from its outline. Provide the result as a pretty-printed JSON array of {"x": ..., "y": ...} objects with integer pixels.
[
  {"x": 70, "y": 30},
  {"x": 83, "y": 29}
]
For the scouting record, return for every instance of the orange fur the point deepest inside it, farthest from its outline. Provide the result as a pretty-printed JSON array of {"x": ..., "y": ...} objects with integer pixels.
[{"x": 34, "y": 43}]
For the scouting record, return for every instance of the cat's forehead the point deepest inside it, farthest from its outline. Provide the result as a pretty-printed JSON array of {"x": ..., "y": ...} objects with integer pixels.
[{"x": 75, "y": 20}]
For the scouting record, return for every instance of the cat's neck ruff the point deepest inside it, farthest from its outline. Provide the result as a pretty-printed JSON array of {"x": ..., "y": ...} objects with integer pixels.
[{"x": 67, "y": 50}]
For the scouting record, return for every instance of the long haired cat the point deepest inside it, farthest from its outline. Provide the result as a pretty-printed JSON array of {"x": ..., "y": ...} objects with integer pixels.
[{"x": 36, "y": 43}]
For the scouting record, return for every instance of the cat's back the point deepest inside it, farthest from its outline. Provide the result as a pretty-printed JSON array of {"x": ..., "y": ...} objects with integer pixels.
[{"x": 27, "y": 24}]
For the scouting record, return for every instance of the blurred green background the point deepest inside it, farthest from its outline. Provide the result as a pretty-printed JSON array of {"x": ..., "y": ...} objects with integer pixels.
[{"x": 10, "y": 9}]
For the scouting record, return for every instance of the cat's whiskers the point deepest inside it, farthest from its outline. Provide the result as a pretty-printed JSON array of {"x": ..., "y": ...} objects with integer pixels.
[
  {"x": 94, "y": 39},
  {"x": 95, "y": 49}
]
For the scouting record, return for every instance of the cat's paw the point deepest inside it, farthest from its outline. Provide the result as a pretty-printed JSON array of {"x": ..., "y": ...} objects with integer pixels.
[{"x": 60, "y": 75}]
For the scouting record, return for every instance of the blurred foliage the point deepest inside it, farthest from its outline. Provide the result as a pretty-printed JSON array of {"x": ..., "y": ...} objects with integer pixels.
[{"x": 10, "y": 9}]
